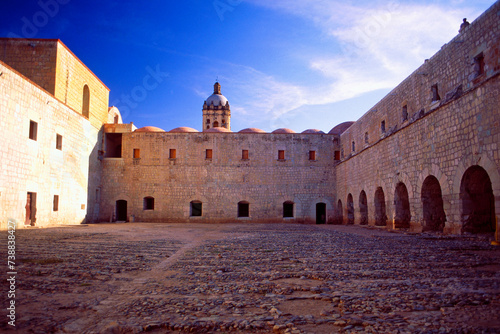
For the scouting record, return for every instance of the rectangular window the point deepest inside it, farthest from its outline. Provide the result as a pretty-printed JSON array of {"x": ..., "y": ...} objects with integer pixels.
[
  {"x": 281, "y": 155},
  {"x": 243, "y": 209},
  {"x": 33, "y": 130},
  {"x": 149, "y": 203},
  {"x": 244, "y": 154},
  {"x": 55, "y": 206},
  {"x": 337, "y": 155},
  {"x": 196, "y": 209},
  {"x": 366, "y": 137},
  {"x": 435, "y": 93},
  {"x": 58, "y": 142},
  {"x": 208, "y": 154},
  {"x": 382, "y": 126},
  {"x": 172, "y": 153},
  {"x": 353, "y": 146},
  {"x": 137, "y": 153},
  {"x": 479, "y": 64},
  {"x": 312, "y": 155}
]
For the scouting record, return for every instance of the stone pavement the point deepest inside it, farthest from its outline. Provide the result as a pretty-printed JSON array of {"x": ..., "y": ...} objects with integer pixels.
[{"x": 252, "y": 278}]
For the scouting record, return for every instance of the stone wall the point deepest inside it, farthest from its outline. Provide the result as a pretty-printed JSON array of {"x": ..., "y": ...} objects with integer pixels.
[
  {"x": 51, "y": 65},
  {"x": 416, "y": 131},
  {"x": 220, "y": 182},
  {"x": 38, "y": 166}
]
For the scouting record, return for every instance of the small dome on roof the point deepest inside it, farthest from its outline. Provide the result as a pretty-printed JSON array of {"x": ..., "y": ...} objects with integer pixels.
[
  {"x": 218, "y": 129},
  {"x": 149, "y": 129},
  {"x": 251, "y": 130},
  {"x": 216, "y": 98},
  {"x": 283, "y": 130},
  {"x": 183, "y": 129},
  {"x": 313, "y": 131},
  {"x": 339, "y": 129}
]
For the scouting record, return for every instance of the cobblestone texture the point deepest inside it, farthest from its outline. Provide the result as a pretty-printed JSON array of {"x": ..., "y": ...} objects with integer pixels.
[{"x": 255, "y": 278}]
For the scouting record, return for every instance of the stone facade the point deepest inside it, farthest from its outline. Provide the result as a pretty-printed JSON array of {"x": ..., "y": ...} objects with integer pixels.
[
  {"x": 50, "y": 151},
  {"x": 439, "y": 122},
  {"x": 175, "y": 169},
  {"x": 425, "y": 158}
]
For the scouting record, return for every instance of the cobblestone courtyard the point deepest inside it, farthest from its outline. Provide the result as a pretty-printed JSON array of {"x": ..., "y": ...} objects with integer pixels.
[{"x": 252, "y": 278}]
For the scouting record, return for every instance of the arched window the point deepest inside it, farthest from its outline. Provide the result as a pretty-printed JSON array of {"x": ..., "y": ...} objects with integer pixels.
[
  {"x": 86, "y": 101},
  {"x": 243, "y": 209},
  {"x": 149, "y": 203},
  {"x": 216, "y": 124},
  {"x": 432, "y": 205},
  {"x": 196, "y": 208},
  {"x": 288, "y": 209}
]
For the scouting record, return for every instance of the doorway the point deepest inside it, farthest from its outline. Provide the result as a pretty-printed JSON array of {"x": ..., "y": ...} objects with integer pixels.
[
  {"x": 121, "y": 210},
  {"x": 30, "y": 209},
  {"x": 320, "y": 213}
]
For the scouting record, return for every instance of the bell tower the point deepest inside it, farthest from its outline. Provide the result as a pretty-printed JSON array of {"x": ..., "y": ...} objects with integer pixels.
[{"x": 216, "y": 110}]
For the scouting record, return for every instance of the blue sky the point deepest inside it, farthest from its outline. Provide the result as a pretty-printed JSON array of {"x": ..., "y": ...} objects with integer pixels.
[{"x": 298, "y": 64}]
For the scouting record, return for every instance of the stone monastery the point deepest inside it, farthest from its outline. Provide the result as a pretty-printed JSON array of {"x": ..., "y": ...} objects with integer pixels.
[{"x": 425, "y": 158}]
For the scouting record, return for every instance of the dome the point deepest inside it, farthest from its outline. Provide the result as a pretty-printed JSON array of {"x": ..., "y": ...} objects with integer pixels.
[
  {"x": 313, "y": 131},
  {"x": 183, "y": 129},
  {"x": 217, "y": 99},
  {"x": 251, "y": 130},
  {"x": 149, "y": 129},
  {"x": 283, "y": 130},
  {"x": 339, "y": 129},
  {"x": 218, "y": 129}
]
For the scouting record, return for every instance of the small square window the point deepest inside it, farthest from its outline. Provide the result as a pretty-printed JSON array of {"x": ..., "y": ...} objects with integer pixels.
[
  {"x": 55, "y": 205},
  {"x": 172, "y": 153},
  {"x": 149, "y": 203},
  {"x": 33, "y": 130},
  {"x": 281, "y": 155},
  {"x": 208, "y": 154},
  {"x": 137, "y": 153},
  {"x": 58, "y": 142},
  {"x": 312, "y": 155},
  {"x": 244, "y": 154}
]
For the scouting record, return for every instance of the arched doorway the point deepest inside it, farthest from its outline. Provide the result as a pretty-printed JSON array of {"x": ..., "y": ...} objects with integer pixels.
[
  {"x": 363, "y": 208},
  {"x": 477, "y": 201},
  {"x": 320, "y": 213},
  {"x": 121, "y": 210},
  {"x": 380, "y": 214},
  {"x": 402, "y": 206},
  {"x": 350, "y": 210},
  {"x": 340, "y": 213},
  {"x": 432, "y": 203}
]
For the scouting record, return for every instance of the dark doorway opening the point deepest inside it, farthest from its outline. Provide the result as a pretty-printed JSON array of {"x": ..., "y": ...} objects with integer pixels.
[
  {"x": 477, "y": 200},
  {"x": 288, "y": 209},
  {"x": 30, "y": 209},
  {"x": 243, "y": 209},
  {"x": 350, "y": 210},
  {"x": 363, "y": 208},
  {"x": 432, "y": 203},
  {"x": 121, "y": 210},
  {"x": 380, "y": 213},
  {"x": 402, "y": 206},
  {"x": 113, "y": 145},
  {"x": 320, "y": 213}
]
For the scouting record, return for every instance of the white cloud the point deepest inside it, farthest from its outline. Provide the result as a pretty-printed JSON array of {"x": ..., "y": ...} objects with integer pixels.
[{"x": 381, "y": 45}]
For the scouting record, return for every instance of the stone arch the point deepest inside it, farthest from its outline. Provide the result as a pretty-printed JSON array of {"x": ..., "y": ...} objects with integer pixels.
[
  {"x": 363, "y": 208},
  {"x": 340, "y": 213},
  {"x": 433, "y": 213},
  {"x": 402, "y": 214},
  {"x": 380, "y": 211},
  {"x": 477, "y": 201},
  {"x": 350, "y": 209},
  {"x": 86, "y": 101}
]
